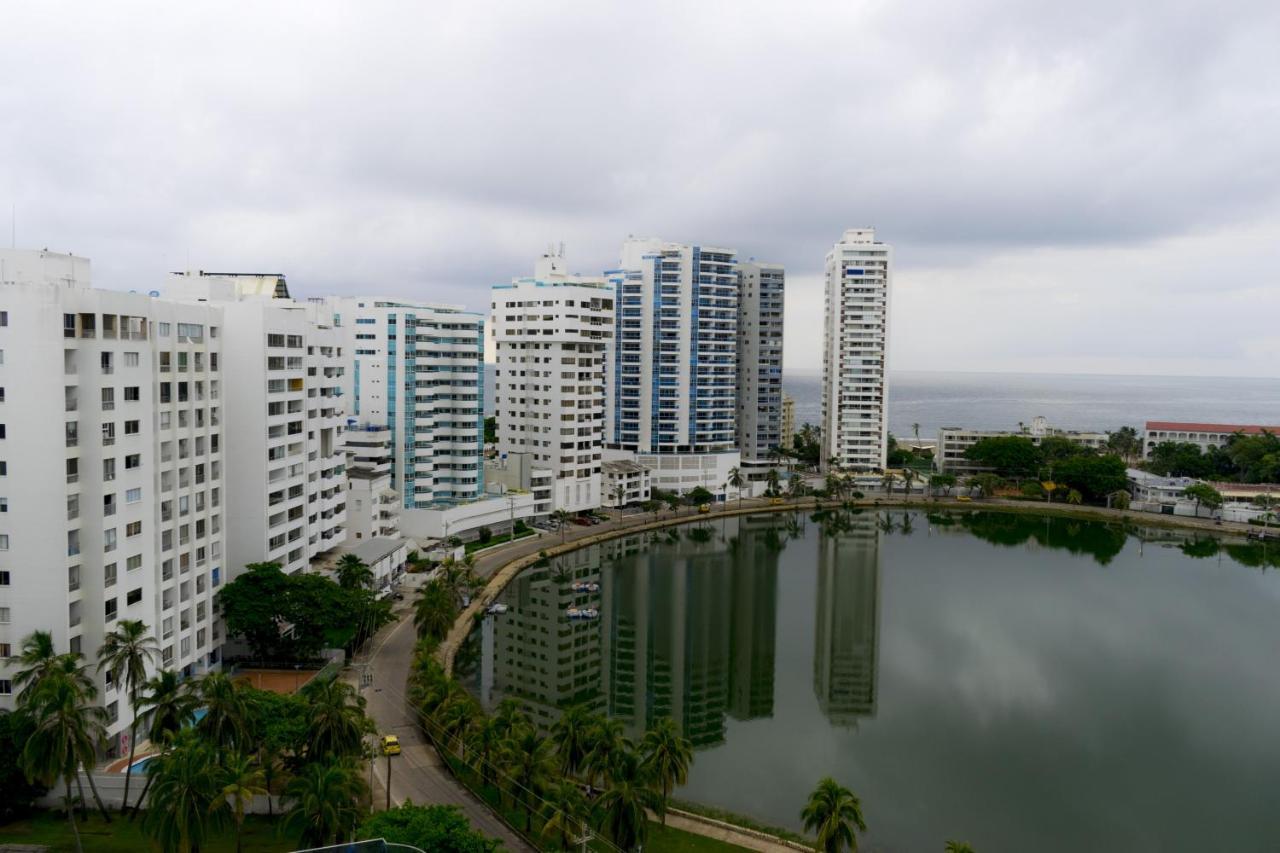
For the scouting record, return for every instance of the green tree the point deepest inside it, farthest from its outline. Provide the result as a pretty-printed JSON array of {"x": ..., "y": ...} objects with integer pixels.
[
  {"x": 440, "y": 829},
  {"x": 17, "y": 793},
  {"x": 1008, "y": 455},
  {"x": 1203, "y": 493},
  {"x": 487, "y": 738},
  {"x": 960, "y": 846},
  {"x": 242, "y": 781},
  {"x": 353, "y": 573},
  {"x": 1094, "y": 477},
  {"x": 738, "y": 482},
  {"x": 771, "y": 482},
  {"x": 324, "y": 801},
  {"x": 457, "y": 716},
  {"x": 796, "y": 487},
  {"x": 336, "y": 722},
  {"x": 625, "y": 803},
  {"x": 37, "y": 658},
  {"x": 887, "y": 481},
  {"x": 561, "y": 519},
  {"x": 608, "y": 741},
  {"x": 698, "y": 495},
  {"x": 985, "y": 484},
  {"x": 491, "y": 430},
  {"x": 564, "y": 815},
  {"x": 619, "y": 495},
  {"x": 187, "y": 802},
  {"x": 946, "y": 482},
  {"x": 251, "y": 608},
  {"x": 224, "y": 725},
  {"x": 1125, "y": 442},
  {"x": 1074, "y": 497},
  {"x": 571, "y": 736},
  {"x": 165, "y": 708},
  {"x": 279, "y": 727},
  {"x": 126, "y": 653},
  {"x": 1179, "y": 459},
  {"x": 530, "y": 764},
  {"x": 667, "y": 756},
  {"x": 434, "y": 611},
  {"x": 909, "y": 477},
  {"x": 833, "y": 813}
]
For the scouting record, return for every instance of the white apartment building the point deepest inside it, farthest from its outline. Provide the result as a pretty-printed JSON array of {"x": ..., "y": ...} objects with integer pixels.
[
  {"x": 418, "y": 369},
  {"x": 373, "y": 507},
  {"x": 954, "y": 441},
  {"x": 118, "y": 514},
  {"x": 286, "y": 459},
  {"x": 626, "y": 482},
  {"x": 1205, "y": 436},
  {"x": 760, "y": 305},
  {"x": 551, "y": 335},
  {"x": 855, "y": 430},
  {"x": 674, "y": 390}
]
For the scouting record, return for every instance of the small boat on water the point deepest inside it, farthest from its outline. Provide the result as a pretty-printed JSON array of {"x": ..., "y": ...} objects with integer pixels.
[
  {"x": 496, "y": 609},
  {"x": 585, "y": 586},
  {"x": 582, "y": 613}
]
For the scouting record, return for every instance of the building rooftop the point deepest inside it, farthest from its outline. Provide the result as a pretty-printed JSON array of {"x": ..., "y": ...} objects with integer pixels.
[
  {"x": 372, "y": 550},
  {"x": 623, "y": 466},
  {"x": 1181, "y": 426}
]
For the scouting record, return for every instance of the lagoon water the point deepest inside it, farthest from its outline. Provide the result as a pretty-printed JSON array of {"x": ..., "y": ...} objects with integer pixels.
[{"x": 1019, "y": 682}]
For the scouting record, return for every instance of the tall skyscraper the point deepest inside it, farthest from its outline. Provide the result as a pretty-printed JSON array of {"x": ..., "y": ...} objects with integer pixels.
[
  {"x": 418, "y": 369},
  {"x": 760, "y": 303},
  {"x": 118, "y": 514},
  {"x": 673, "y": 398},
  {"x": 855, "y": 428},
  {"x": 285, "y": 414},
  {"x": 551, "y": 337}
]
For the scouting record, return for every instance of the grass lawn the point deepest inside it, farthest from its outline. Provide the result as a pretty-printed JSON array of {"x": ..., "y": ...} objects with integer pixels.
[
  {"x": 124, "y": 836},
  {"x": 477, "y": 545},
  {"x": 671, "y": 840}
]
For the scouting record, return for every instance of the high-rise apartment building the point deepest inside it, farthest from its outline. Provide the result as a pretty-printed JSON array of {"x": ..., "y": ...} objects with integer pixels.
[
  {"x": 417, "y": 369},
  {"x": 855, "y": 429},
  {"x": 286, "y": 459},
  {"x": 118, "y": 514},
  {"x": 551, "y": 337},
  {"x": 760, "y": 301},
  {"x": 673, "y": 401}
]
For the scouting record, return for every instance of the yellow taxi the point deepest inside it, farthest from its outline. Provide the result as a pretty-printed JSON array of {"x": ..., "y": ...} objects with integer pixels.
[
  {"x": 390, "y": 745},
  {"x": 775, "y": 500},
  {"x": 704, "y": 507}
]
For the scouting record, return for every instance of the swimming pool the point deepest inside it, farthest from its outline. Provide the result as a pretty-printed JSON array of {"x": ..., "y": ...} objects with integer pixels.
[{"x": 139, "y": 767}]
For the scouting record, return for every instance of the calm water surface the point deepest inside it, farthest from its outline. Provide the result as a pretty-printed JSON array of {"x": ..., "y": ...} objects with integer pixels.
[{"x": 1025, "y": 684}]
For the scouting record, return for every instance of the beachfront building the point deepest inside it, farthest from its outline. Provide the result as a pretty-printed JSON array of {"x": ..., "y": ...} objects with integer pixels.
[
  {"x": 284, "y": 416},
  {"x": 760, "y": 301},
  {"x": 855, "y": 430},
  {"x": 626, "y": 482},
  {"x": 1205, "y": 436},
  {"x": 672, "y": 403},
  {"x": 954, "y": 441},
  {"x": 416, "y": 369},
  {"x": 787, "y": 438},
  {"x": 117, "y": 513},
  {"x": 551, "y": 334}
]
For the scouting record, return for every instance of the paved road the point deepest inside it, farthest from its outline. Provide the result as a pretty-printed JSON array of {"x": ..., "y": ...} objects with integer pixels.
[{"x": 417, "y": 773}]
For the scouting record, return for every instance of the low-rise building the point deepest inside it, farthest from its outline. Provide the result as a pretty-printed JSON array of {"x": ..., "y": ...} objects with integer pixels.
[
  {"x": 788, "y": 428},
  {"x": 385, "y": 556},
  {"x": 1152, "y": 489},
  {"x": 1205, "y": 436},
  {"x": 626, "y": 482},
  {"x": 954, "y": 441},
  {"x": 373, "y": 506},
  {"x": 515, "y": 472}
]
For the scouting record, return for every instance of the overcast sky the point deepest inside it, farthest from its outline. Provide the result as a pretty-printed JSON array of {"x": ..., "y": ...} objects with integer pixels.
[{"x": 1070, "y": 187}]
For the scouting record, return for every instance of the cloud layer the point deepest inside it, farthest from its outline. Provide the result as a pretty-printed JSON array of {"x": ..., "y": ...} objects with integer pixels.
[{"x": 1083, "y": 187}]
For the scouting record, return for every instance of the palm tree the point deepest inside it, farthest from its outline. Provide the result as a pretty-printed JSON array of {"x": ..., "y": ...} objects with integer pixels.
[
  {"x": 335, "y": 719},
  {"x": 509, "y": 716},
  {"x": 226, "y": 712},
  {"x": 125, "y": 653},
  {"x": 915, "y": 428},
  {"x": 243, "y": 781},
  {"x": 958, "y": 847},
  {"x": 325, "y": 801},
  {"x": 166, "y": 707},
  {"x": 457, "y": 717},
  {"x": 530, "y": 763},
  {"x": 564, "y": 815},
  {"x": 353, "y": 573},
  {"x": 1074, "y": 497},
  {"x": 571, "y": 735},
  {"x": 562, "y": 518},
  {"x": 608, "y": 741},
  {"x": 796, "y": 487},
  {"x": 887, "y": 482},
  {"x": 37, "y": 658},
  {"x": 625, "y": 804},
  {"x": 833, "y": 812},
  {"x": 737, "y": 481},
  {"x": 908, "y": 479},
  {"x": 619, "y": 495},
  {"x": 834, "y": 484},
  {"x": 771, "y": 482},
  {"x": 187, "y": 799},
  {"x": 667, "y": 756},
  {"x": 67, "y": 733},
  {"x": 486, "y": 742},
  {"x": 434, "y": 611}
]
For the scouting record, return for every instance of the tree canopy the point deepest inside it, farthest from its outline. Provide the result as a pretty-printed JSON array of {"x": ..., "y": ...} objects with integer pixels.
[
  {"x": 443, "y": 829},
  {"x": 1008, "y": 455}
]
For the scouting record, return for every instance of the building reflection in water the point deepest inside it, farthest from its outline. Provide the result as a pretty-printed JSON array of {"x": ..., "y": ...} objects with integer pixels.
[
  {"x": 686, "y": 630},
  {"x": 847, "y": 619}
]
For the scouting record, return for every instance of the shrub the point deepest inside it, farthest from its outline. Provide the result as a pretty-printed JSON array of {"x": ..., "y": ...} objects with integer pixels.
[{"x": 484, "y": 534}]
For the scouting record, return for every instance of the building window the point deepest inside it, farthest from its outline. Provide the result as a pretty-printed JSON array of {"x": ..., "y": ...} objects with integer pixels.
[
  {"x": 4, "y": 504},
  {"x": 134, "y": 562},
  {"x": 4, "y": 616},
  {"x": 132, "y": 393},
  {"x": 6, "y": 651},
  {"x": 131, "y": 359},
  {"x": 109, "y": 609},
  {"x": 108, "y": 469},
  {"x": 133, "y": 528},
  {"x": 109, "y": 540},
  {"x": 133, "y": 460},
  {"x": 134, "y": 596},
  {"x": 6, "y": 687},
  {"x": 4, "y": 468},
  {"x": 4, "y": 318},
  {"x": 4, "y": 541},
  {"x": 109, "y": 574},
  {"x": 164, "y": 330},
  {"x": 132, "y": 496},
  {"x": 5, "y": 579}
]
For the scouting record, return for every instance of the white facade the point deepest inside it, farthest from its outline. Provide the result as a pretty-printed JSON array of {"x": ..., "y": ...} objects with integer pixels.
[
  {"x": 112, "y": 447},
  {"x": 760, "y": 304},
  {"x": 954, "y": 441},
  {"x": 1205, "y": 436},
  {"x": 284, "y": 414},
  {"x": 855, "y": 430},
  {"x": 551, "y": 337},
  {"x": 626, "y": 482},
  {"x": 464, "y": 520},
  {"x": 683, "y": 472},
  {"x": 417, "y": 368},
  {"x": 515, "y": 472},
  {"x": 373, "y": 507}
]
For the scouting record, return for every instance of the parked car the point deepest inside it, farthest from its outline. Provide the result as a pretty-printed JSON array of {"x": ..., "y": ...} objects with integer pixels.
[
  {"x": 704, "y": 508},
  {"x": 582, "y": 521},
  {"x": 390, "y": 745}
]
